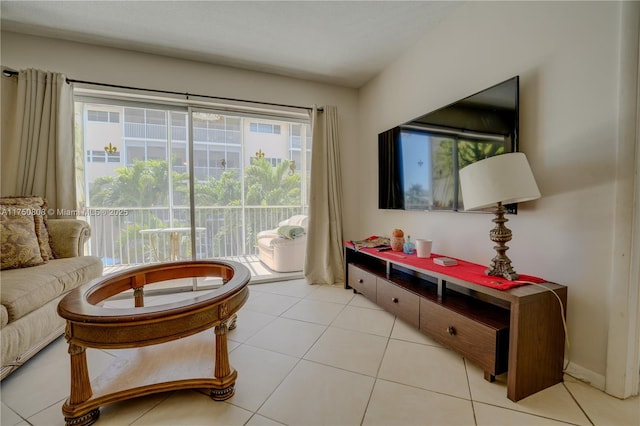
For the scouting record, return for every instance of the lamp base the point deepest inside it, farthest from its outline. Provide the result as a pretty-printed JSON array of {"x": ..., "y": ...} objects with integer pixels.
[
  {"x": 500, "y": 268},
  {"x": 501, "y": 264}
]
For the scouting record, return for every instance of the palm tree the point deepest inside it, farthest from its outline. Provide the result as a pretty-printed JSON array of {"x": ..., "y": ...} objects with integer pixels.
[
  {"x": 416, "y": 197},
  {"x": 470, "y": 152},
  {"x": 271, "y": 186},
  {"x": 144, "y": 184},
  {"x": 224, "y": 191}
]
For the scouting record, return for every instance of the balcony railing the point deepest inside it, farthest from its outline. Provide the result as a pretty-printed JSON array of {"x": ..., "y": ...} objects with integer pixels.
[
  {"x": 219, "y": 232},
  {"x": 145, "y": 131}
]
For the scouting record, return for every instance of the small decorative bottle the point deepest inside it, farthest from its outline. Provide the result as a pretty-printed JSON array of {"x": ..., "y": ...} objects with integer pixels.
[{"x": 409, "y": 247}]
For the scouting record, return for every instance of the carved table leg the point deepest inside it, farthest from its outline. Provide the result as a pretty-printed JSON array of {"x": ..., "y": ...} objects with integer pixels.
[
  {"x": 232, "y": 322},
  {"x": 138, "y": 295},
  {"x": 80, "y": 389},
  {"x": 223, "y": 370}
]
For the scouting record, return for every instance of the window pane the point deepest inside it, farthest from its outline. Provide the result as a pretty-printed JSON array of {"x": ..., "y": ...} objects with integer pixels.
[
  {"x": 148, "y": 175},
  {"x": 178, "y": 126},
  {"x": 156, "y": 151},
  {"x": 134, "y": 115},
  {"x": 135, "y": 153},
  {"x": 156, "y": 117},
  {"x": 102, "y": 116},
  {"x": 233, "y": 160}
]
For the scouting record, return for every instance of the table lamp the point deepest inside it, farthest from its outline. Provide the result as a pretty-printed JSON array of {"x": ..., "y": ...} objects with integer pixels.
[{"x": 498, "y": 180}]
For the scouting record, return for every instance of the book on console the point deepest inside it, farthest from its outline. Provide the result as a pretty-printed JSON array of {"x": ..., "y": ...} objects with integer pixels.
[{"x": 445, "y": 261}]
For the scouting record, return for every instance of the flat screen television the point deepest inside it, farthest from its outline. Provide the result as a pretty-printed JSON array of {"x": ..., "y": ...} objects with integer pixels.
[{"x": 418, "y": 161}]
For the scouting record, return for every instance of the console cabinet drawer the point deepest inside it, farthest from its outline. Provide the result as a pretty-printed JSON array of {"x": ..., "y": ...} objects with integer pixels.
[
  {"x": 483, "y": 345},
  {"x": 398, "y": 301},
  {"x": 363, "y": 282}
]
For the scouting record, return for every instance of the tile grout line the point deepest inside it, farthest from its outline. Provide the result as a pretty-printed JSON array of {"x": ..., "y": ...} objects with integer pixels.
[
  {"x": 300, "y": 359},
  {"x": 151, "y": 408},
  {"x": 473, "y": 407},
  {"x": 577, "y": 403},
  {"x": 376, "y": 378}
]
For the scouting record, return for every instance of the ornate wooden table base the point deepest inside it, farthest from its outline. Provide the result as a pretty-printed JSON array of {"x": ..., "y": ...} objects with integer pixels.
[{"x": 191, "y": 356}]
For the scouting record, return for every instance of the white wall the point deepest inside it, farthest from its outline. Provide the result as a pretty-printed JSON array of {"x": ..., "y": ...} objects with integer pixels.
[
  {"x": 566, "y": 55},
  {"x": 127, "y": 68}
]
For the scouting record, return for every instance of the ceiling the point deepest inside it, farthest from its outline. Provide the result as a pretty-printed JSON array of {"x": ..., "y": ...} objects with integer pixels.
[{"x": 338, "y": 42}]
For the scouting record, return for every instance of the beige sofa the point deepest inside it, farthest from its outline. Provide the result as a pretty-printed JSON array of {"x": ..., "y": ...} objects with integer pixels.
[{"x": 30, "y": 295}]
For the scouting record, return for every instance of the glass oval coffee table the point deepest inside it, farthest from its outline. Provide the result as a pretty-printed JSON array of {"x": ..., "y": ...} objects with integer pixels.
[{"x": 163, "y": 347}]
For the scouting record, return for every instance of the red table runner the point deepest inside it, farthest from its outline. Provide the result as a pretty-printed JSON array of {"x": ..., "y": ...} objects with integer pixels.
[{"x": 467, "y": 271}]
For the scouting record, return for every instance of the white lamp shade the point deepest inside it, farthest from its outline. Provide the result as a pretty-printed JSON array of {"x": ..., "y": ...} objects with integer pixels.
[{"x": 505, "y": 178}]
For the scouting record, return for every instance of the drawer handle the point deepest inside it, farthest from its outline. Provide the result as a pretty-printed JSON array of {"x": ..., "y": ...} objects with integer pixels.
[
  {"x": 360, "y": 281},
  {"x": 451, "y": 330},
  {"x": 394, "y": 299}
]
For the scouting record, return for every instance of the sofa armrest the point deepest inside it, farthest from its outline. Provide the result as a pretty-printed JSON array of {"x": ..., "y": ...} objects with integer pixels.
[
  {"x": 286, "y": 242},
  {"x": 269, "y": 233},
  {"x": 68, "y": 236}
]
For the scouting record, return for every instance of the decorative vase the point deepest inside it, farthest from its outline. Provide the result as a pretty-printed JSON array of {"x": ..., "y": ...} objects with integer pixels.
[
  {"x": 409, "y": 247},
  {"x": 397, "y": 243}
]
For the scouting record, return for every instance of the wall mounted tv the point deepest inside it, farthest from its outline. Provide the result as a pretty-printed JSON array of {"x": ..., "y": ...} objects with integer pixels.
[{"x": 418, "y": 161}]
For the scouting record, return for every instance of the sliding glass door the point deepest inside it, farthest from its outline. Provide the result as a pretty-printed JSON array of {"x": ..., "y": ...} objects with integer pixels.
[
  {"x": 165, "y": 182},
  {"x": 248, "y": 172}
]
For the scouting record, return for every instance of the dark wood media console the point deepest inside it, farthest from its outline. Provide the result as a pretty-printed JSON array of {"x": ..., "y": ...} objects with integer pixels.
[{"x": 517, "y": 331}]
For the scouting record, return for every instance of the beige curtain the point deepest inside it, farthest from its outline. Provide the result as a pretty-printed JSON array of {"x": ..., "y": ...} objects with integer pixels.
[
  {"x": 324, "y": 259},
  {"x": 37, "y": 137}
]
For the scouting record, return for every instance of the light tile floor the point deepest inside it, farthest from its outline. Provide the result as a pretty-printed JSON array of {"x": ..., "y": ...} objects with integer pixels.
[{"x": 320, "y": 355}]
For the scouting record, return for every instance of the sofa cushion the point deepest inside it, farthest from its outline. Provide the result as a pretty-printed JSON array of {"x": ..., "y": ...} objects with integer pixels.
[
  {"x": 296, "y": 220},
  {"x": 4, "y": 316},
  {"x": 24, "y": 290},
  {"x": 18, "y": 239},
  {"x": 32, "y": 331},
  {"x": 38, "y": 207}
]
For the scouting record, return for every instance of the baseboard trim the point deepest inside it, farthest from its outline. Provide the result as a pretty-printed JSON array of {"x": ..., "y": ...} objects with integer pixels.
[{"x": 587, "y": 376}]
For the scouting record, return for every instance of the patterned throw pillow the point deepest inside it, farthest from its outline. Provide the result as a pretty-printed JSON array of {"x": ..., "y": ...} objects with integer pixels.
[
  {"x": 19, "y": 246},
  {"x": 38, "y": 205}
]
